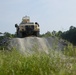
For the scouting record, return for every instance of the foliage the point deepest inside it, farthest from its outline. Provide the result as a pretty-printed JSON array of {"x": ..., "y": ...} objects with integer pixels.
[
  {"x": 7, "y": 34},
  {"x": 14, "y": 63},
  {"x": 70, "y": 35},
  {"x": 4, "y": 39},
  {"x": 0, "y": 32},
  {"x": 70, "y": 50},
  {"x": 53, "y": 33},
  {"x": 47, "y": 34}
]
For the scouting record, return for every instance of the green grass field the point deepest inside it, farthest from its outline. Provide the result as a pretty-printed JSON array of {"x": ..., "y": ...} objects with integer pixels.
[{"x": 14, "y": 63}]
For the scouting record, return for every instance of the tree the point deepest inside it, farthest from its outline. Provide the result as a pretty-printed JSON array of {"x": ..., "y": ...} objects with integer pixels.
[
  {"x": 47, "y": 34},
  {"x": 0, "y": 32},
  {"x": 7, "y": 34},
  {"x": 59, "y": 33},
  {"x": 71, "y": 28},
  {"x": 70, "y": 35},
  {"x": 54, "y": 33}
]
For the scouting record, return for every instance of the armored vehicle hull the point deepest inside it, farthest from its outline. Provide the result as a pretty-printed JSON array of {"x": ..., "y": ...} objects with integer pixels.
[{"x": 27, "y": 28}]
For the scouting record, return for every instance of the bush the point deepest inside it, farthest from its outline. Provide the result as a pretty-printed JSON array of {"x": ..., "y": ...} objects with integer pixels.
[{"x": 70, "y": 50}]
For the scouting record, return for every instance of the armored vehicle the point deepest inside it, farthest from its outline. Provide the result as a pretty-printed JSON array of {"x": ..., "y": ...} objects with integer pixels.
[{"x": 27, "y": 28}]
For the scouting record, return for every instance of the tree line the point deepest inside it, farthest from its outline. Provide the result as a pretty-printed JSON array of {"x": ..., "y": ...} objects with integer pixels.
[{"x": 69, "y": 35}]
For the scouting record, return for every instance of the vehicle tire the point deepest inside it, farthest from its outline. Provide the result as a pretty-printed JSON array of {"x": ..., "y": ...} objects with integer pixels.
[
  {"x": 19, "y": 34},
  {"x": 37, "y": 34}
]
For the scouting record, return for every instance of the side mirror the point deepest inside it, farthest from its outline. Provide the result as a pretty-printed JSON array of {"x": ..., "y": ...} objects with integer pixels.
[
  {"x": 37, "y": 24},
  {"x": 16, "y": 25}
]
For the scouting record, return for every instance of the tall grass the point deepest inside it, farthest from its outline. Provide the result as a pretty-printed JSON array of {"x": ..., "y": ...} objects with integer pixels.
[
  {"x": 70, "y": 50},
  {"x": 14, "y": 63}
]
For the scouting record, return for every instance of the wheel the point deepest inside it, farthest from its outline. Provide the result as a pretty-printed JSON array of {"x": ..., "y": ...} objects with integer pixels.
[
  {"x": 19, "y": 34},
  {"x": 37, "y": 33}
]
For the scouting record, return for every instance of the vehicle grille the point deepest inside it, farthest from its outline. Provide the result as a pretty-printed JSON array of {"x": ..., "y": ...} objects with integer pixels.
[{"x": 29, "y": 28}]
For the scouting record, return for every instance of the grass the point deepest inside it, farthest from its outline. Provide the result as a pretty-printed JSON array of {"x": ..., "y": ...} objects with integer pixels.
[
  {"x": 14, "y": 63},
  {"x": 70, "y": 50}
]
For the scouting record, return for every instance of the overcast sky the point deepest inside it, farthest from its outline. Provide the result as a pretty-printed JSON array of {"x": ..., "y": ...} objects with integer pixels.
[{"x": 50, "y": 14}]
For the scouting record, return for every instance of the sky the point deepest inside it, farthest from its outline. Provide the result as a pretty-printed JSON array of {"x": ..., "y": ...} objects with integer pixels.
[{"x": 50, "y": 14}]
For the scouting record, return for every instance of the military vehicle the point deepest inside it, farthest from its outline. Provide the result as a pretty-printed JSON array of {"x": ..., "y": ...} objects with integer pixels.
[{"x": 27, "y": 28}]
